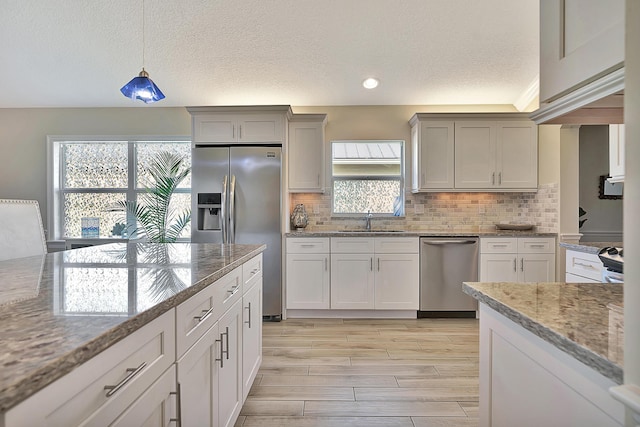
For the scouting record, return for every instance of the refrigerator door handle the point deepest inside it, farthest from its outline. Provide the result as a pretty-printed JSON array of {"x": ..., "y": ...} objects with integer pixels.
[
  {"x": 232, "y": 210},
  {"x": 223, "y": 209}
]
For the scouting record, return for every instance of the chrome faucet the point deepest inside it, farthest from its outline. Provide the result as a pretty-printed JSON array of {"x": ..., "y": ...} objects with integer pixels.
[{"x": 367, "y": 219}]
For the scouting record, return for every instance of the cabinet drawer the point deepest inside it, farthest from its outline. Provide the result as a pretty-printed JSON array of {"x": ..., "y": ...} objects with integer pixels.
[
  {"x": 130, "y": 366},
  {"x": 396, "y": 245},
  {"x": 314, "y": 245},
  {"x": 194, "y": 317},
  {"x": 536, "y": 245},
  {"x": 584, "y": 265},
  {"x": 228, "y": 290},
  {"x": 347, "y": 245},
  {"x": 498, "y": 245},
  {"x": 251, "y": 269}
]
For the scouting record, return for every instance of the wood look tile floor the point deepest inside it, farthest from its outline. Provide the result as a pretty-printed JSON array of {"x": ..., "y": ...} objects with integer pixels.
[{"x": 366, "y": 373}]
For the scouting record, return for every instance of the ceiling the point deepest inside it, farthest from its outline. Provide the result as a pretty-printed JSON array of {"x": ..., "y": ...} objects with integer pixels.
[{"x": 64, "y": 53}]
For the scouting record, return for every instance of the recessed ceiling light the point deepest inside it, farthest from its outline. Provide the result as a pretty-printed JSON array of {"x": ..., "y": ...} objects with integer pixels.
[{"x": 370, "y": 83}]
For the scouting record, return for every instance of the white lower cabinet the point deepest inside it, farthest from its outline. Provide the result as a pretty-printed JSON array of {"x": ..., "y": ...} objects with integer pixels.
[
  {"x": 526, "y": 381},
  {"x": 155, "y": 408},
  {"x": 352, "y": 281},
  {"x": 517, "y": 259},
  {"x": 198, "y": 378},
  {"x": 307, "y": 273},
  {"x": 230, "y": 396},
  {"x": 583, "y": 267},
  {"x": 364, "y": 273},
  {"x": 139, "y": 382}
]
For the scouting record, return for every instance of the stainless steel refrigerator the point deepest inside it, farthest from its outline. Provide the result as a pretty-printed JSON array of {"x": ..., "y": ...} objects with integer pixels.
[{"x": 236, "y": 198}]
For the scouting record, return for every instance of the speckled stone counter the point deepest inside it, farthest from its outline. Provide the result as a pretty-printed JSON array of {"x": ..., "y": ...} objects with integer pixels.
[
  {"x": 574, "y": 317},
  {"x": 589, "y": 247},
  {"x": 416, "y": 233},
  {"x": 59, "y": 310}
]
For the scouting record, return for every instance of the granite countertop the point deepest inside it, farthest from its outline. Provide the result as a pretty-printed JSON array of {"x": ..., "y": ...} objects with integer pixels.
[
  {"x": 60, "y": 309},
  {"x": 416, "y": 233},
  {"x": 574, "y": 317},
  {"x": 589, "y": 247}
]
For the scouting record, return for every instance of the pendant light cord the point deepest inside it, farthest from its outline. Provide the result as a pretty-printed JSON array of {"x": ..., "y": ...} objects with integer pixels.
[{"x": 143, "y": 34}]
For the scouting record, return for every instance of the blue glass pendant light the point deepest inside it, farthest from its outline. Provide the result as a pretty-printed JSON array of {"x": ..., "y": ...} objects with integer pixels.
[{"x": 142, "y": 87}]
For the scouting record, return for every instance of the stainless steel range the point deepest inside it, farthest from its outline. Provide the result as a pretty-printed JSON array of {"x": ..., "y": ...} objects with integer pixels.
[{"x": 613, "y": 260}]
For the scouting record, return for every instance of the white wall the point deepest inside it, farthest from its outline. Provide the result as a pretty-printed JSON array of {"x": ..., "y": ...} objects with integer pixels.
[{"x": 23, "y": 135}]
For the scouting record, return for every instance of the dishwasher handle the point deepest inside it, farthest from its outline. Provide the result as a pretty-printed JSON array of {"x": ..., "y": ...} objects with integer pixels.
[{"x": 449, "y": 242}]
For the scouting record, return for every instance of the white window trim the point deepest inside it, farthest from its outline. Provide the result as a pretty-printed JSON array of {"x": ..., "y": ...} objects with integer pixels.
[{"x": 54, "y": 224}]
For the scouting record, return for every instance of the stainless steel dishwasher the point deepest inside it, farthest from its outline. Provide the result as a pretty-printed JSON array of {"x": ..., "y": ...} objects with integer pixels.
[{"x": 446, "y": 262}]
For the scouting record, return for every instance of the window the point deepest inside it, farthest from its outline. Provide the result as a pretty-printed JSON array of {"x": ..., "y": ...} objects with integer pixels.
[
  {"x": 368, "y": 176},
  {"x": 88, "y": 176}
]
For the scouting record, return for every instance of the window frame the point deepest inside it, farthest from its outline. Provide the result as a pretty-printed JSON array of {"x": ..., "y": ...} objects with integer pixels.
[
  {"x": 55, "y": 175},
  {"x": 400, "y": 178}
]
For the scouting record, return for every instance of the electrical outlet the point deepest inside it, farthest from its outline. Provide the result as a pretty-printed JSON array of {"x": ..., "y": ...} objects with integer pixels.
[
  {"x": 316, "y": 208},
  {"x": 481, "y": 209},
  {"x": 419, "y": 209}
]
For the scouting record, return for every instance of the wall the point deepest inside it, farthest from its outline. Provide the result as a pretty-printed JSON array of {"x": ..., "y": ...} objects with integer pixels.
[
  {"x": 23, "y": 136},
  {"x": 604, "y": 216},
  {"x": 442, "y": 211}
]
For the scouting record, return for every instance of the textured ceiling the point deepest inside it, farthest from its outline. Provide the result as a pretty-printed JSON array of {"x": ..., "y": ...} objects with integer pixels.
[{"x": 72, "y": 53}]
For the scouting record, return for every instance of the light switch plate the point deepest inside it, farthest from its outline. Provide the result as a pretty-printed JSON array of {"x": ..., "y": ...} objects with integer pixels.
[{"x": 419, "y": 209}]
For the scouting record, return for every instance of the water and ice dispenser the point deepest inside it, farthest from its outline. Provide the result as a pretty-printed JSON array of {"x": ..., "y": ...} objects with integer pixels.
[{"x": 209, "y": 211}]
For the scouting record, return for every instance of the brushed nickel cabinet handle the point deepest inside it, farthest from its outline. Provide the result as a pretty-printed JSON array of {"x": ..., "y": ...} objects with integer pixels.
[
  {"x": 515, "y": 268},
  {"x": 112, "y": 389},
  {"x": 499, "y": 178},
  {"x": 521, "y": 264},
  {"x": 493, "y": 178},
  {"x": 371, "y": 266},
  {"x": 326, "y": 264},
  {"x": 226, "y": 334},
  {"x": 248, "y": 322},
  {"x": 378, "y": 264},
  {"x": 178, "y": 419},
  {"x": 205, "y": 314},
  {"x": 318, "y": 179},
  {"x": 221, "y": 360}
]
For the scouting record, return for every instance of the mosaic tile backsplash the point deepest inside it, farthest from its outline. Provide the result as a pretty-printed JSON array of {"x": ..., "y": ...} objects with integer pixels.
[{"x": 448, "y": 211}]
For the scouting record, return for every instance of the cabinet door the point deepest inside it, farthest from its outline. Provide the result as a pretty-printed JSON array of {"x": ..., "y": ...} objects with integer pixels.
[
  {"x": 260, "y": 128},
  {"x": 537, "y": 268},
  {"x": 230, "y": 368},
  {"x": 306, "y": 157},
  {"x": 214, "y": 128},
  {"x": 498, "y": 268},
  {"x": 616, "y": 153},
  {"x": 155, "y": 408},
  {"x": 251, "y": 335},
  {"x": 352, "y": 281},
  {"x": 307, "y": 281},
  {"x": 198, "y": 379},
  {"x": 396, "y": 282},
  {"x": 433, "y": 156},
  {"x": 517, "y": 155},
  {"x": 579, "y": 40},
  {"x": 475, "y": 155}
]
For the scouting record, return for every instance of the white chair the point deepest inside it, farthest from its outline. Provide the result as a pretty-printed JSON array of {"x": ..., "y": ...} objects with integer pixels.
[{"x": 21, "y": 232}]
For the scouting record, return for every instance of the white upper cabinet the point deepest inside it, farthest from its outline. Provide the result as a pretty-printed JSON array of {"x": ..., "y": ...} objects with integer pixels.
[
  {"x": 580, "y": 41},
  {"x": 433, "y": 152},
  {"x": 616, "y": 153},
  {"x": 255, "y": 125},
  {"x": 307, "y": 153},
  {"x": 474, "y": 152}
]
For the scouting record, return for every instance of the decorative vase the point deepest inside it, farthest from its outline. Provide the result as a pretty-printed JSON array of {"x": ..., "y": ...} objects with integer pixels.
[{"x": 299, "y": 217}]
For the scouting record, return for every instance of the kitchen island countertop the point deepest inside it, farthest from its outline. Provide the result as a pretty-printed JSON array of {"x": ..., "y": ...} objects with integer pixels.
[
  {"x": 59, "y": 310},
  {"x": 574, "y": 317}
]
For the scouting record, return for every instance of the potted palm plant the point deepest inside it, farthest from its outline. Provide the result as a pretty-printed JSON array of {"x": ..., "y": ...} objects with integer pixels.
[{"x": 156, "y": 220}]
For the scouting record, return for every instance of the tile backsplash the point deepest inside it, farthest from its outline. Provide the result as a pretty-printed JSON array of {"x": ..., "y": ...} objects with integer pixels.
[{"x": 448, "y": 211}]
